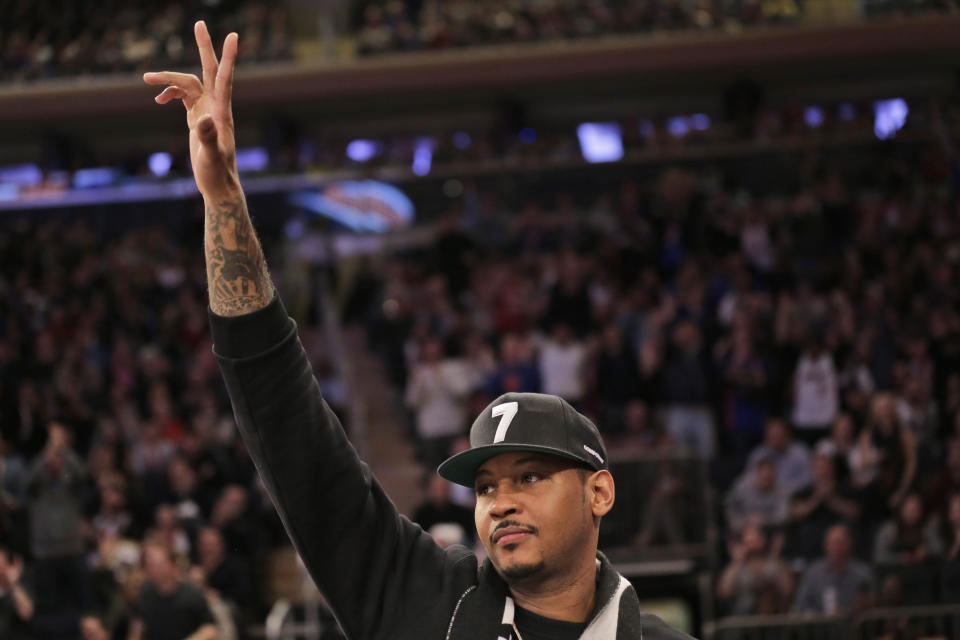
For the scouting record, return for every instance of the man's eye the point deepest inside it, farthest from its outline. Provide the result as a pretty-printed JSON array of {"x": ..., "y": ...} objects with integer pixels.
[
  {"x": 531, "y": 476},
  {"x": 484, "y": 489}
]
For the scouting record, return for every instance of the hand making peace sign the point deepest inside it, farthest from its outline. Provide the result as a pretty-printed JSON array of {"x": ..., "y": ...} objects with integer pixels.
[{"x": 209, "y": 115}]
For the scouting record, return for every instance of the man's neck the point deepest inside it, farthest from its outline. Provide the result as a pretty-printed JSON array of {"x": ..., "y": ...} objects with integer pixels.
[{"x": 570, "y": 598}]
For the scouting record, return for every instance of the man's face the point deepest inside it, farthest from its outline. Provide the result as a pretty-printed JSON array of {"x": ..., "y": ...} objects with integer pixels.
[
  {"x": 534, "y": 514},
  {"x": 837, "y": 544},
  {"x": 777, "y": 436}
]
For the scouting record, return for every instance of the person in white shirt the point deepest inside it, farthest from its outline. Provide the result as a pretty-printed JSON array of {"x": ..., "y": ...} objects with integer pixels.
[
  {"x": 562, "y": 360},
  {"x": 815, "y": 392},
  {"x": 437, "y": 392}
]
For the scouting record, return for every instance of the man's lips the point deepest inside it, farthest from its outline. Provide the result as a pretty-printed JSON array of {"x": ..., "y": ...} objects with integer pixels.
[{"x": 510, "y": 535}]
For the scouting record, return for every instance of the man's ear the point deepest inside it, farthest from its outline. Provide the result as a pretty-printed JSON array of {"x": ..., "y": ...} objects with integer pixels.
[{"x": 600, "y": 493}]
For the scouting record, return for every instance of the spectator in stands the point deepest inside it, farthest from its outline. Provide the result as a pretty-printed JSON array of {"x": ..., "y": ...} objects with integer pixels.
[
  {"x": 815, "y": 392},
  {"x": 616, "y": 377},
  {"x": 13, "y": 473},
  {"x": 893, "y": 457},
  {"x": 562, "y": 364},
  {"x": 825, "y": 503},
  {"x": 945, "y": 483},
  {"x": 791, "y": 459},
  {"x": 744, "y": 371},
  {"x": 641, "y": 435},
  {"x": 113, "y": 517},
  {"x": 756, "y": 581},
  {"x": 170, "y": 608},
  {"x": 836, "y": 583},
  {"x": 439, "y": 508},
  {"x": 688, "y": 417},
  {"x": 55, "y": 490},
  {"x": 949, "y": 530},
  {"x": 233, "y": 516},
  {"x": 516, "y": 371},
  {"x": 186, "y": 495},
  {"x": 92, "y": 627},
  {"x": 839, "y": 445},
  {"x": 168, "y": 532},
  {"x": 569, "y": 301},
  {"x": 16, "y": 601},
  {"x": 757, "y": 496},
  {"x": 562, "y": 361},
  {"x": 436, "y": 391},
  {"x": 222, "y": 571},
  {"x": 225, "y": 615},
  {"x": 908, "y": 538}
]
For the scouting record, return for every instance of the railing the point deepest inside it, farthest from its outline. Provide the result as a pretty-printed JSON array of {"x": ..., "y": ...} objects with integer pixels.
[
  {"x": 780, "y": 628},
  {"x": 934, "y": 622}
]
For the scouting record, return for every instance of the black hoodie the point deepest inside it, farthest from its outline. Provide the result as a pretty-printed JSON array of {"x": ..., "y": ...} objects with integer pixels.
[{"x": 383, "y": 576}]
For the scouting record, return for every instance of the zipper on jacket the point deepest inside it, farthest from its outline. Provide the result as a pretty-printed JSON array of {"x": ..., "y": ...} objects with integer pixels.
[{"x": 457, "y": 608}]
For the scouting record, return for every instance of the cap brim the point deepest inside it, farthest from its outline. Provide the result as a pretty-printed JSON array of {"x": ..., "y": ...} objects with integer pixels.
[{"x": 461, "y": 468}]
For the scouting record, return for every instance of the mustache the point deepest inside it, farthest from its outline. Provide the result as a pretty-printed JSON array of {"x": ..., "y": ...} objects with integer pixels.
[{"x": 513, "y": 523}]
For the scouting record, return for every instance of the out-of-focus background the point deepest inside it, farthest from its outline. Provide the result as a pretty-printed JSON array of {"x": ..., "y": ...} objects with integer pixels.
[{"x": 727, "y": 230}]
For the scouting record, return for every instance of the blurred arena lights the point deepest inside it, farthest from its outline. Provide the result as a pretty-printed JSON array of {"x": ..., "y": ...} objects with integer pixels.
[
  {"x": 462, "y": 140},
  {"x": 527, "y": 135},
  {"x": 846, "y": 111},
  {"x": 363, "y": 150},
  {"x": 23, "y": 175},
  {"x": 252, "y": 159},
  {"x": 423, "y": 155},
  {"x": 160, "y": 163},
  {"x": 678, "y": 126},
  {"x": 700, "y": 121},
  {"x": 95, "y": 177},
  {"x": 889, "y": 117},
  {"x": 360, "y": 205},
  {"x": 600, "y": 141},
  {"x": 813, "y": 116}
]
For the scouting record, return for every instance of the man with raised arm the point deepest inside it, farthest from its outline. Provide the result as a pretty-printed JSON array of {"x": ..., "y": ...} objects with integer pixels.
[{"x": 539, "y": 468}]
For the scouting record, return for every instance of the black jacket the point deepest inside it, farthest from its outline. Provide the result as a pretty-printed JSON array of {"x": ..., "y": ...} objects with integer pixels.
[{"x": 382, "y": 575}]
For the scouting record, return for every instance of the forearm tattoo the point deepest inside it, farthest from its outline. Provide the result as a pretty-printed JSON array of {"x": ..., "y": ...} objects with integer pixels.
[{"x": 236, "y": 270}]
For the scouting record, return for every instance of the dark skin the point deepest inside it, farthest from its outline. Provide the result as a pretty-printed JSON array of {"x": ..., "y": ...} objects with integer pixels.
[{"x": 539, "y": 519}]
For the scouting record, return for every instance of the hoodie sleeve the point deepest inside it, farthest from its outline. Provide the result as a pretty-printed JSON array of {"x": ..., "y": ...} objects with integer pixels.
[{"x": 378, "y": 570}]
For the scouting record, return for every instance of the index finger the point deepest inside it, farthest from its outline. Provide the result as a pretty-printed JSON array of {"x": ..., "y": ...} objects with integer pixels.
[
  {"x": 224, "y": 83},
  {"x": 208, "y": 58}
]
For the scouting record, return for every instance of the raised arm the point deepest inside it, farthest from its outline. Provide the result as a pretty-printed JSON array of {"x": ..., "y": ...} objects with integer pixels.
[
  {"x": 237, "y": 274},
  {"x": 379, "y": 571}
]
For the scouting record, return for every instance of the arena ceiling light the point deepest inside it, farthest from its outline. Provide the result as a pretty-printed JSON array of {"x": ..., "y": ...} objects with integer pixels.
[
  {"x": 422, "y": 155},
  {"x": 160, "y": 163},
  {"x": 889, "y": 116},
  {"x": 813, "y": 116},
  {"x": 363, "y": 150},
  {"x": 600, "y": 141},
  {"x": 252, "y": 159}
]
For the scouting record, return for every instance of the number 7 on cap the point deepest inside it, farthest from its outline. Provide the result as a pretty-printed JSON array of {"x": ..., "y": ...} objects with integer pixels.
[{"x": 507, "y": 411}]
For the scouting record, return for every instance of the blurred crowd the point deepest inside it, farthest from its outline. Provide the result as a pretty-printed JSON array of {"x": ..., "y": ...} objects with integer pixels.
[
  {"x": 408, "y": 25},
  {"x": 127, "y": 501},
  {"x": 46, "y": 39},
  {"x": 804, "y": 343}
]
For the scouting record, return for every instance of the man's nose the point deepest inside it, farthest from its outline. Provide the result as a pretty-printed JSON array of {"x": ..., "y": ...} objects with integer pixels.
[{"x": 506, "y": 503}]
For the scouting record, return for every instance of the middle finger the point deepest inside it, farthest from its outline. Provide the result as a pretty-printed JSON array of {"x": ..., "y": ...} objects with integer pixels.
[{"x": 208, "y": 58}]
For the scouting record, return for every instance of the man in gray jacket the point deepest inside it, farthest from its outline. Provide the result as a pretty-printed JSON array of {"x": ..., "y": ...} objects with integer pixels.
[{"x": 538, "y": 467}]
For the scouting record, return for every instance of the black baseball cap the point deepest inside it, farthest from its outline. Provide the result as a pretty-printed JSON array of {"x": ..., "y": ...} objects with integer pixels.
[{"x": 527, "y": 422}]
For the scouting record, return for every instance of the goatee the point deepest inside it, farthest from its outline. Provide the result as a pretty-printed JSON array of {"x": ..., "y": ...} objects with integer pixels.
[{"x": 521, "y": 572}]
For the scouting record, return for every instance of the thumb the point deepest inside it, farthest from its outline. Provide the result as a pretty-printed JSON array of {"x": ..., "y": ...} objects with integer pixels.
[{"x": 207, "y": 131}]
